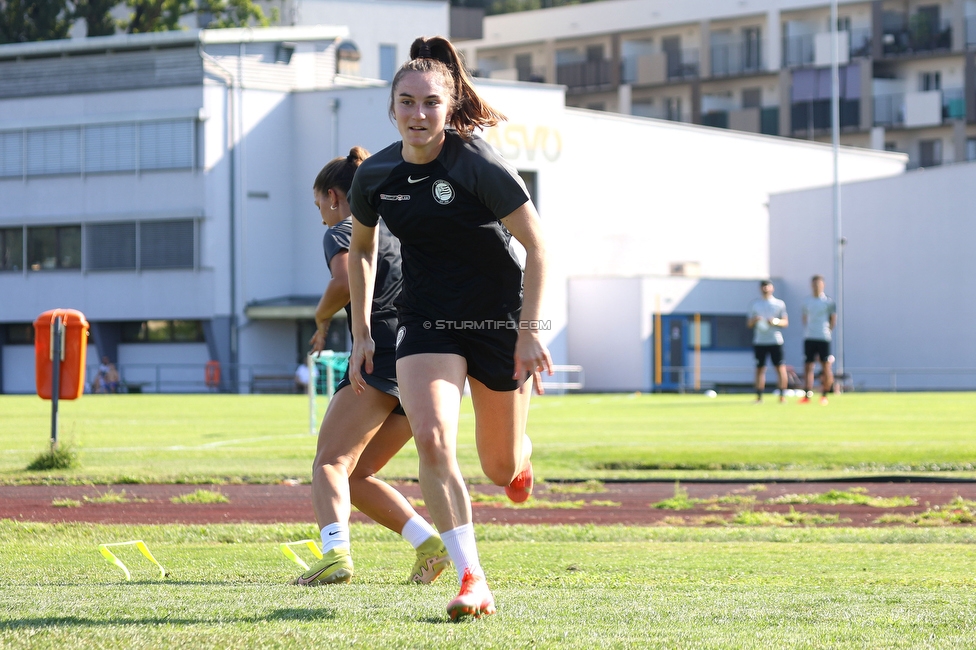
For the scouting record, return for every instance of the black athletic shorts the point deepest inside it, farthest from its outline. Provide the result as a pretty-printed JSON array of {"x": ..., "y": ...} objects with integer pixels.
[
  {"x": 775, "y": 353},
  {"x": 814, "y": 348},
  {"x": 487, "y": 346},
  {"x": 383, "y": 378}
]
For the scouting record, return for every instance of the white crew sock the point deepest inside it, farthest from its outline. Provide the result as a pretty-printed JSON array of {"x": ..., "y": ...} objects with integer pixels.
[
  {"x": 417, "y": 531},
  {"x": 334, "y": 536},
  {"x": 461, "y": 547}
]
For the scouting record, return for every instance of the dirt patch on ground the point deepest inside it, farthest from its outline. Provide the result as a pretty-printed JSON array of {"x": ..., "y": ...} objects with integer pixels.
[{"x": 612, "y": 503}]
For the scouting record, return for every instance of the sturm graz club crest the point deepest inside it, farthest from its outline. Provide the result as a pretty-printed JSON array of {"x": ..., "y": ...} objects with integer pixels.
[{"x": 443, "y": 192}]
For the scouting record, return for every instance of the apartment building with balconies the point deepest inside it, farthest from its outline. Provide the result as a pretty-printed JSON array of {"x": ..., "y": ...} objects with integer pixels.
[{"x": 907, "y": 68}]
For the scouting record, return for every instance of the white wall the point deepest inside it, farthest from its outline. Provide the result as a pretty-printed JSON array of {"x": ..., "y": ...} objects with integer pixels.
[
  {"x": 163, "y": 367},
  {"x": 19, "y": 375},
  {"x": 604, "y": 332},
  {"x": 375, "y": 22},
  {"x": 909, "y": 272}
]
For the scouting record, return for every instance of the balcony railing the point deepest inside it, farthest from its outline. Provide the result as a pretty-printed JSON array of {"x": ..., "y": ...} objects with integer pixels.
[
  {"x": 683, "y": 64},
  {"x": 889, "y": 110},
  {"x": 917, "y": 34},
  {"x": 591, "y": 75},
  {"x": 536, "y": 74},
  {"x": 802, "y": 50},
  {"x": 798, "y": 50},
  {"x": 737, "y": 58},
  {"x": 815, "y": 115},
  {"x": 859, "y": 42}
]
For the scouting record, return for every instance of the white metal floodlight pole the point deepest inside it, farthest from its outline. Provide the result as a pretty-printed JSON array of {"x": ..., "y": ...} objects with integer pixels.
[{"x": 835, "y": 141}]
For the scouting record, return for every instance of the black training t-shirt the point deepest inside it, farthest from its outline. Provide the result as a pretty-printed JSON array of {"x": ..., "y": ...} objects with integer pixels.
[
  {"x": 458, "y": 262},
  {"x": 383, "y": 319}
]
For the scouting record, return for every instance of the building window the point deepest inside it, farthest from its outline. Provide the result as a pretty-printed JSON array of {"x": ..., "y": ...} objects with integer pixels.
[
  {"x": 54, "y": 248},
  {"x": 111, "y": 246},
  {"x": 721, "y": 333},
  {"x": 731, "y": 333},
  {"x": 110, "y": 148},
  {"x": 54, "y": 151},
  {"x": 642, "y": 108},
  {"x": 162, "y": 331},
  {"x": 672, "y": 109},
  {"x": 11, "y": 154},
  {"x": 705, "y": 326},
  {"x": 11, "y": 249},
  {"x": 97, "y": 149},
  {"x": 388, "y": 62},
  {"x": 531, "y": 181},
  {"x": 166, "y": 145},
  {"x": 929, "y": 153},
  {"x": 18, "y": 334},
  {"x": 166, "y": 244},
  {"x": 929, "y": 81}
]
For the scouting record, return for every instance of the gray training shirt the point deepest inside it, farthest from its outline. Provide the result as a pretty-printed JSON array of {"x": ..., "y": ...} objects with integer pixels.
[
  {"x": 817, "y": 312},
  {"x": 766, "y": 309}
]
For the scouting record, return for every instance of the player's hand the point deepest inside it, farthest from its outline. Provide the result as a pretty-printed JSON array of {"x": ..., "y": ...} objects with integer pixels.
[
  {"x": 361, "y": 358},
  {"x": 531, "y": 357},
  {"x": 317, "y": 342}
]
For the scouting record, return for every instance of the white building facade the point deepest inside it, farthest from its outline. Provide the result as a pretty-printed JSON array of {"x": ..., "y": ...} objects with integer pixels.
[
  {"x": 909, "y": 298},
  {"x": 166, "y": 193}
]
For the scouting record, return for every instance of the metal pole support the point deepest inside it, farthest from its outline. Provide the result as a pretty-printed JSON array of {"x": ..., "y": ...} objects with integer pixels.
[{"x": 57, "y": 351}]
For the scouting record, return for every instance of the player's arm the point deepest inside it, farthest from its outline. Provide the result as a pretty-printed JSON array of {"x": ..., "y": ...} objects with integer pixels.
[
  {"x": 361, "y": 267},
  {"x": 336, "y": 297},
  {"x": 753, "y": 319},
  {"x": 530, "y": 354},
  {"x": 833, "y": 321},
  {"x": 783, "y": 321}
]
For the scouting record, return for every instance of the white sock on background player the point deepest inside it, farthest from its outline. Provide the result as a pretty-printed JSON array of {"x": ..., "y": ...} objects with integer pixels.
[{"x": 417, "y": 531}]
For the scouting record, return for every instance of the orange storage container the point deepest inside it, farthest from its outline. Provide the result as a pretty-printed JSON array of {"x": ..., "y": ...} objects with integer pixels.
[{"x": 73, "y": 351}]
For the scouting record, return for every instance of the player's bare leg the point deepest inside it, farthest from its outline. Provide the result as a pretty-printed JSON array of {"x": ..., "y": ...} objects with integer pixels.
[
  {"x": 760, "y": 383},
  {"x": 783, "y": 382}
]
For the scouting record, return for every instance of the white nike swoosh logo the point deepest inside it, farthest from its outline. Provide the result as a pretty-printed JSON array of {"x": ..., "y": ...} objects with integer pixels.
[{"x": 411, "y": 179}]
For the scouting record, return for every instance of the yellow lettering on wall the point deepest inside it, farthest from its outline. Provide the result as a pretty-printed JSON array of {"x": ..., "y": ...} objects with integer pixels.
[{"x": 515, "y": 140}]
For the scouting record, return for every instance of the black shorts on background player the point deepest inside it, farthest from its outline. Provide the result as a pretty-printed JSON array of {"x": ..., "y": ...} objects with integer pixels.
[
  {"x": 383, "y": 320},
  {"x": 774, "y": 352},
  {"x": 814, "y": 349}
]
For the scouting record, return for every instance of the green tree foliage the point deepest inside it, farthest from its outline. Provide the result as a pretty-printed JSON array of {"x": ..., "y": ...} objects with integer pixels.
[
  {"x": 22, "y": 21},
  {"x": 164, "y": 15},
  {"x": 97, "y": 15}
]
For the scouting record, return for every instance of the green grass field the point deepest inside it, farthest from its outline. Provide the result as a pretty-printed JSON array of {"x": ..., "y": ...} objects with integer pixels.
[
  {"x": 265, "y": 438},
  {"x": 556, "y": 587}
]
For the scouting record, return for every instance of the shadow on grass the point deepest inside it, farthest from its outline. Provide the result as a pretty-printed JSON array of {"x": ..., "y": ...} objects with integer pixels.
[{"x": 290, "y": 614}]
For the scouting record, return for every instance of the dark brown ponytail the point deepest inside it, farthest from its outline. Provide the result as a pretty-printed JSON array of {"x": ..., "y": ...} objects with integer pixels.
[
  {"x": 338, "y": 172},
  {"x": 437, "y": 54}
]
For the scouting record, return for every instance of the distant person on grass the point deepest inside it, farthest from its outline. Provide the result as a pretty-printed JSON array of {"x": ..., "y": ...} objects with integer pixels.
[
  {"x": 819, "y": 320},
  {"x": 362, "y": 429},
  {"x": 768, "y": 319}
]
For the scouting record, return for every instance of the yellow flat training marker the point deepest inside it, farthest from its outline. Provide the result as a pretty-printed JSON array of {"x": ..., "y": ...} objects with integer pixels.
[
  {"x": 290, "y": 554},
  {"x": 139, "y": 544}
]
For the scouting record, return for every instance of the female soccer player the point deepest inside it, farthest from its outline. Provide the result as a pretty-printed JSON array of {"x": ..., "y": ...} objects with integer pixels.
[
  {"x": 454, "y": 203},
  {"x": 361, "y": 430}
]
